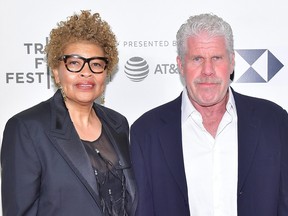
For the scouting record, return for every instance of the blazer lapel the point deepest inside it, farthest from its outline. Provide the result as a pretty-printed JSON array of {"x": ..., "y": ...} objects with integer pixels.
[
  {"x": 69, "y": 145},
  {"x": 247, "y": 137},
  {"x": 170, "y": 137}
]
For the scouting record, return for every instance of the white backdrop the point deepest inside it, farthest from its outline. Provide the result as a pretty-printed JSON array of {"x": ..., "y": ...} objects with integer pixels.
[{"x": 146, "y": 30}]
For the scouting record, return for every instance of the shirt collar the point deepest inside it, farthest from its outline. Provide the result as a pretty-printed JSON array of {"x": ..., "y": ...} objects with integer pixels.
[{"x": 187, "y": 107}]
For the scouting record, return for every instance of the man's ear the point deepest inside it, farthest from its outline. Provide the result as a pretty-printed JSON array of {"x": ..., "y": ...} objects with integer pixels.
[
  {"x": 232, "y": 62},
  {"x": 180, "y": 66}
]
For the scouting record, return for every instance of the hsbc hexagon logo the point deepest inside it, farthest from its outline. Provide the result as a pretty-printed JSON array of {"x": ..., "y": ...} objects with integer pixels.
[{"x": 255, "y": 66}]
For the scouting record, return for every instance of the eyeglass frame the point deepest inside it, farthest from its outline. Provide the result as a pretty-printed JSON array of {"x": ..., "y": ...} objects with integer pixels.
[{"x": 86, "y": 60}]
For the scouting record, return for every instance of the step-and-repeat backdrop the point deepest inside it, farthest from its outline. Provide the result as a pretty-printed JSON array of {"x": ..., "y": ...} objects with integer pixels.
[{"x": 146, "y": 33}]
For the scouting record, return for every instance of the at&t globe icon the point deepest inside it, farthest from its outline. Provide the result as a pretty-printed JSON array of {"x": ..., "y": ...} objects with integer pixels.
[{"x": 136, "y": 69}]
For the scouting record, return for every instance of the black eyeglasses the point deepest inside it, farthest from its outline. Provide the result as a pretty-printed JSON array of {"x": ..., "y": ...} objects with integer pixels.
[{"x": 75, "y": 63}]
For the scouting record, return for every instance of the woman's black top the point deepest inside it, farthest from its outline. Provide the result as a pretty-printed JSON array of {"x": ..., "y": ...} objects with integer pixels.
[{"x": 115, "y": 200}]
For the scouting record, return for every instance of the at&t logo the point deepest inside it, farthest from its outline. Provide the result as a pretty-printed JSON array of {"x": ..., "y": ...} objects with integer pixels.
[{"x": 136, "y": 69}]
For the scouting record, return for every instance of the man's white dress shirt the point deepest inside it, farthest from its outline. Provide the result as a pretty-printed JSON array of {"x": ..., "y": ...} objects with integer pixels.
[{"x": 211, "y": 164}]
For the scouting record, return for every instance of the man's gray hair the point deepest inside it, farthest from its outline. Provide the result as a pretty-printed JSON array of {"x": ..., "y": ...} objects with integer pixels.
[{"x": 209, "y": 23}]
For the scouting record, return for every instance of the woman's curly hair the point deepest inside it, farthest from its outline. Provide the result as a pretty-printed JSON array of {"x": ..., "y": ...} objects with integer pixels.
[{"x": 83, "y": 27}]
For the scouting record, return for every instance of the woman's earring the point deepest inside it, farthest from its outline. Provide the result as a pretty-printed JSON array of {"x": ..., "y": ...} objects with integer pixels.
[
  {"x": 62, "y": 91},
  {"x": 102, "y": 100}
]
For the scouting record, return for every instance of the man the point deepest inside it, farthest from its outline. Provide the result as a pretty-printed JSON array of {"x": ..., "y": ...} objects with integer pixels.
[{"x": 211, "y": 151}]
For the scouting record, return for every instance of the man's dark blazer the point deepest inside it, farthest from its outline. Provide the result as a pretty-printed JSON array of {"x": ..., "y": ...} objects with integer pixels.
[
  {"x": 45, "y": 168},
  {"x": 157, "y": 158}
]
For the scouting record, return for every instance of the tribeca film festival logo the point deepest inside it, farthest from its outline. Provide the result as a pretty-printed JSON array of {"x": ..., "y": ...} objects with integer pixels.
[
  {"x": 137, "y": 68},
  {"x": 38, "y": 76}
]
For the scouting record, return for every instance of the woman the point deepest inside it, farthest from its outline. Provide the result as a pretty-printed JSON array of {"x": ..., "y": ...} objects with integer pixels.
[{"x": 69, "y": 155}]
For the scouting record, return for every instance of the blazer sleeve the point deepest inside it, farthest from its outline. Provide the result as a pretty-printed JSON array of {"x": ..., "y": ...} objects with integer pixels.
[
  {"x": 283, "y": 200},
  {"x": 145, "y": 199},
  {"x": 21, "y": 170}
]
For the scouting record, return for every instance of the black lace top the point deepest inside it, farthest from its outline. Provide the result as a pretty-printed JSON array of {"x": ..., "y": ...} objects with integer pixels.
[{"x": 115, "y": 200}]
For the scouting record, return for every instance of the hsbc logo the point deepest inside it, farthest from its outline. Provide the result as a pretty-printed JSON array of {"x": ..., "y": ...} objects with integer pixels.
[{"x": 255, "y": 66}]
